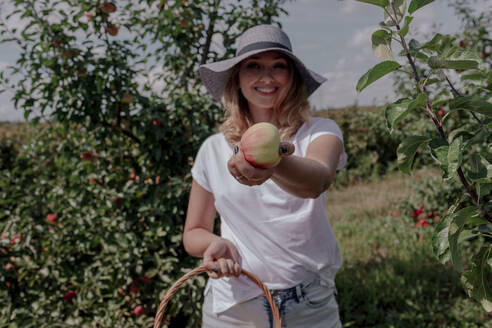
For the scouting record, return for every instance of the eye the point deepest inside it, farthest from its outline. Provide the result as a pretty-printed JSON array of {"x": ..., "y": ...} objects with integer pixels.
[
  {"x": 281, "y": 66},
  {"x": 252, "y": 65}
]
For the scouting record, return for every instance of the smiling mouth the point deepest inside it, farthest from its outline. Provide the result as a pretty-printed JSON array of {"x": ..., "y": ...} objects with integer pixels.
[{"x": 266, "y": 91}]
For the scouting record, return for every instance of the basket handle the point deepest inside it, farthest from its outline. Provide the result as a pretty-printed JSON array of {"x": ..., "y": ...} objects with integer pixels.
[{"x": 171, "y": 291}]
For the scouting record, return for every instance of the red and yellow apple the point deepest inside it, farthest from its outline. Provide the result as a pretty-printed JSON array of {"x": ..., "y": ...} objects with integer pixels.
[{"x": 260, "y": 145}]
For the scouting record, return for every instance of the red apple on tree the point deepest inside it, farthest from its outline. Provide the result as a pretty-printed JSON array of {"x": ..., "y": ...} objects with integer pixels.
[
  {"x": 112, "y": 29},
  {"x": 69, "y": 296},
  {"x": 139, "y": 310},
  {"x": 51, "y": 218},
  {"x": 108, "y": 7},
  {"x": 127, "y": 98}
]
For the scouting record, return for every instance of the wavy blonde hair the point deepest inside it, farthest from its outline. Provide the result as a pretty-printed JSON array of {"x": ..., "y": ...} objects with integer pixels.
[{"x": 291, "y": 108}]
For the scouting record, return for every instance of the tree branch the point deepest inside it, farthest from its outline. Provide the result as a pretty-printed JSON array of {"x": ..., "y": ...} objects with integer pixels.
[
  {"x": 437, "y": 123},
  {"x": 457, "y": 93}
]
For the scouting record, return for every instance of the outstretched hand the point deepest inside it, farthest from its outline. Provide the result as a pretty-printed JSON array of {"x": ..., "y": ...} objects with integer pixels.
[{"x": 247, "y": 174}]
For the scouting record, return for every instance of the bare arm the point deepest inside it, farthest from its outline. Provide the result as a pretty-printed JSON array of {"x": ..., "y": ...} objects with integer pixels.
[
  {"x": 310, "y": 176},
  {"x": 200, "y": 217},
  {"x": 305, "y": 177},
  {"x": 219, "y": 254}
]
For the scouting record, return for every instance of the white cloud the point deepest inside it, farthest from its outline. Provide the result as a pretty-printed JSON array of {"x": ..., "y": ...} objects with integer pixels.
[
  {"x": 362, "y": 37},
  {"x": 351, "y": 6}
]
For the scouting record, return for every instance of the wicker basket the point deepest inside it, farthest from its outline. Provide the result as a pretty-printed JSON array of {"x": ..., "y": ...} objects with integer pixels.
[{"x": 160, "y": 312}]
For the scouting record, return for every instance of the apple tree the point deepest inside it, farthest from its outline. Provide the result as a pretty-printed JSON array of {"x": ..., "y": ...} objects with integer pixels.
[
  {"x": 92, "y": 208},
  {"x": 449, "y": 82}
]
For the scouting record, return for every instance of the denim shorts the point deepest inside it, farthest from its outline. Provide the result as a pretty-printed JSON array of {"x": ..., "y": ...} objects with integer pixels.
[{"x": 308, "y": 305}]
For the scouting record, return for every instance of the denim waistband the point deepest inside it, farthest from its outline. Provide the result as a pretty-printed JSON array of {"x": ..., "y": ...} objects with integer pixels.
[{"x": 295, "y": 290}]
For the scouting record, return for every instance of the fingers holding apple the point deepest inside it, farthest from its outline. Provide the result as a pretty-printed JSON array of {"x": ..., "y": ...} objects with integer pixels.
[
  {"x": 259, "y": 151},
  {"x": 244, "y": 172}
]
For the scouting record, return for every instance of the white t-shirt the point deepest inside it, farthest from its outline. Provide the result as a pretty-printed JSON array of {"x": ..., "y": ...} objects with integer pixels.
[{"x": 282, "y": 239}]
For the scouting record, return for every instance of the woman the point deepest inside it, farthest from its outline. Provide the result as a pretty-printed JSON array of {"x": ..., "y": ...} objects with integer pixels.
[{"x": 273, "y": 221}]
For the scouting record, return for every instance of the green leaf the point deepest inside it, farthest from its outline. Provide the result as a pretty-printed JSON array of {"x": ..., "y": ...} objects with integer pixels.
[
  {"x": 455, "y": 154},
  {"x": 404, "y": 29},
  {"x": 432, "y": 44},
  {"x": 473, "y": 75},
  {"x": 436, "y": 62},
  {"x": 400, "y": 8},
  {"x": 397, "y": 111},
  {"x": 484, "y": 187},
  {"x": 414, "y": 45},
  {"x": 476, "y": 281},
  {"x": 455, "y": 58},
  {"x": 417, "y": 4},
  {"x": 376, "y": 73},
  {"x": 477, "y": 169},
  {"x": 381, "y": 45},
  {"x": 472, "y": 103},
  {"x": 380, "y": 3},
  {"x": 443, "y": 97},
  {"x": 406, "y": 152},
  {"x": 456, "y": 226},
  {"x": 440, "y": 241},
  {"x": 439, "y": 150}
]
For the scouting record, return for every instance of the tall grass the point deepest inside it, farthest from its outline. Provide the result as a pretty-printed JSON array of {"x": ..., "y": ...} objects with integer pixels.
[{"x": 389, "y": 277}]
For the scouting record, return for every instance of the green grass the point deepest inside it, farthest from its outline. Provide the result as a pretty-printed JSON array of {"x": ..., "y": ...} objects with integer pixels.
[{"x": 389, "y": 276}]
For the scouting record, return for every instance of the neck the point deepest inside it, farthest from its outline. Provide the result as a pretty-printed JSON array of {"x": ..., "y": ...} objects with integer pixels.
[{"x": 263, "y": 115}]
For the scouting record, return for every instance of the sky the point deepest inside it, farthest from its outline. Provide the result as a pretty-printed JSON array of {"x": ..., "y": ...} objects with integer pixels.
[{"x": 332, "y": 38}]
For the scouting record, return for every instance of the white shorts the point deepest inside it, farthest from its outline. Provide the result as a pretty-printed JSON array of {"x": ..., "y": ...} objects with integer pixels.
[{"x": 308, "y": 305}]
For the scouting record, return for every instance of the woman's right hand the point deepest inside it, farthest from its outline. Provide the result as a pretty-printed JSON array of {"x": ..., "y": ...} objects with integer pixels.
[{"x": 221, "y": 258}]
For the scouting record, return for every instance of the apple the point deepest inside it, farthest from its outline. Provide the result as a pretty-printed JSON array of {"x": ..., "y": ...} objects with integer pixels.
[
  {"x": 51, "y": 218},
  {"x": 441, "y": 112},
  {"x": 69, "y": 296},
  {"x": 112, "y": 29},
  {"x": 108, "y": 7},
  {"x": 127, "y": 98},
  {"x": 260, "y": 145},
  {"x": 157, "y": 123},
  {"x": 183, "y": 22},
  {"x": 139, "y": 310},
  {"x": 484, "y": 54}
]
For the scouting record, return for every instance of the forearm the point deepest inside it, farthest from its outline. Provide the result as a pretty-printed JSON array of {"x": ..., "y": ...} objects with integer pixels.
[
  {"x": 302, "y": 177},
  {"x": 197, "y": 240}
]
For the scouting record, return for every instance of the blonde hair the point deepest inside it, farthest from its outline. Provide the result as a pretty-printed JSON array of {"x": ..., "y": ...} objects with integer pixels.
[{"x": 291, "y": 109}]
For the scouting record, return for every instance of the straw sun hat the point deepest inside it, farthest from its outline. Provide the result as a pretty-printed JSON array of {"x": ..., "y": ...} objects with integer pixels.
[{"x": 257, "y": 39}]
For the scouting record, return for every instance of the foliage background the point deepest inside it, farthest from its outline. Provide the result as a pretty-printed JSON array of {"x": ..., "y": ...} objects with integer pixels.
[{"x": 93, "y": 199}]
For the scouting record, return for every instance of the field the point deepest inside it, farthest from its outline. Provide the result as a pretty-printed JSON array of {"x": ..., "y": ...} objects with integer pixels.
[{"x": 389, "y": 276}]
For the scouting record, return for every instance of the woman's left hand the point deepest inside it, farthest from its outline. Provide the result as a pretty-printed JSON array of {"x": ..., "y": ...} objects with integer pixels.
[{"x": 249, "y": 175}]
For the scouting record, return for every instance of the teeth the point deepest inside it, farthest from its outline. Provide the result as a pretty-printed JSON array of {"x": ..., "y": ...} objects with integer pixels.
[{"x": 265, "y": 90}]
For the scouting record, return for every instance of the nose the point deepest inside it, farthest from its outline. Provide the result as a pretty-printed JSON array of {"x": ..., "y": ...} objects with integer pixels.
[{"x": 267, "y": 75}]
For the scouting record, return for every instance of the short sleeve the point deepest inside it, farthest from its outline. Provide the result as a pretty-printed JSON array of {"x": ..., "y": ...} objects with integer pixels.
[
  {"x": 324, "y": 126},
  {"x": 199, "y": 170}
]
